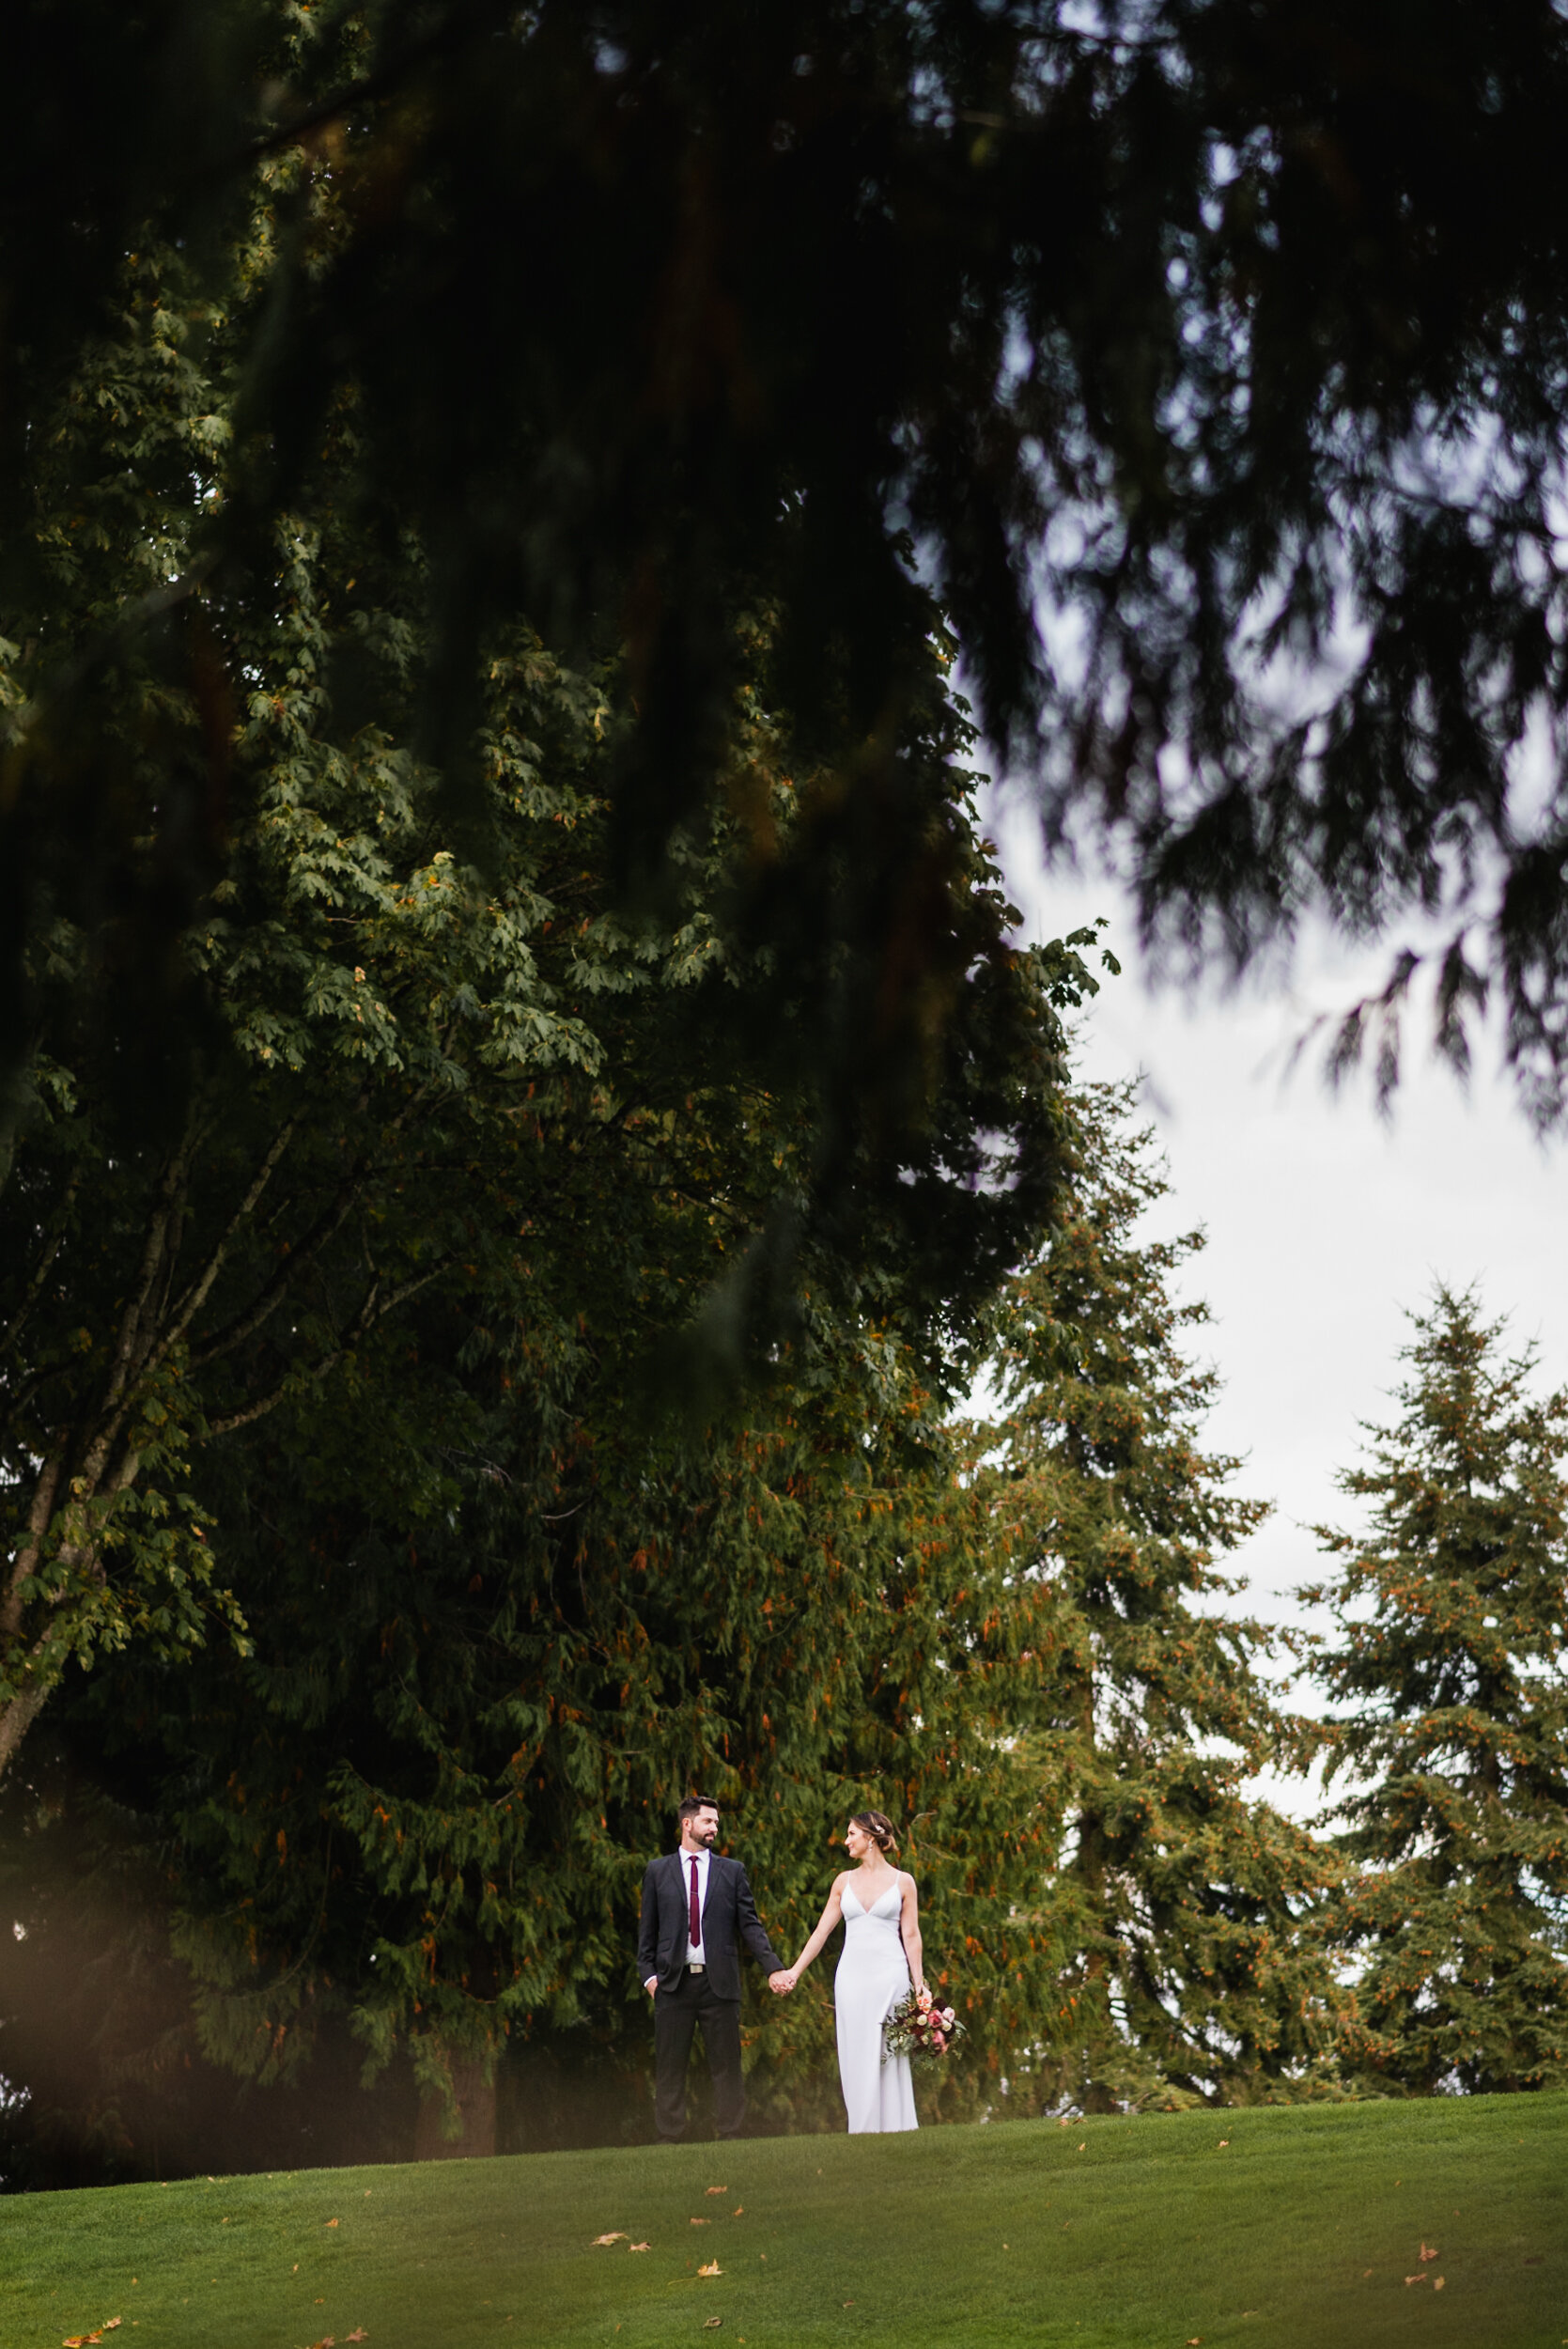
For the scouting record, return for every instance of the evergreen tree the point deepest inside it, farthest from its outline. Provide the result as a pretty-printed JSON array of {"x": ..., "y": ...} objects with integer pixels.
[
  {"x": 1450, "y": 1722},
  {"x": 500, "y": 1628},
  {"x": 1179, "y": 1894}
]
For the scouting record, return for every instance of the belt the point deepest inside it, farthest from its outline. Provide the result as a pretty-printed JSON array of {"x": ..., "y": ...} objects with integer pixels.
[{"x": 695, "y": 1967}]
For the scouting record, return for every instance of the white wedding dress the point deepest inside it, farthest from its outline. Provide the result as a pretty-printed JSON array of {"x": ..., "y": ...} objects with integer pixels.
[{"x": 873, "y": 1975}]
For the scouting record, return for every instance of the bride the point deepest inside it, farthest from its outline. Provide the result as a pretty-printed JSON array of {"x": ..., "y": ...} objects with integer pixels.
[{"x": 881, "y": 1957}]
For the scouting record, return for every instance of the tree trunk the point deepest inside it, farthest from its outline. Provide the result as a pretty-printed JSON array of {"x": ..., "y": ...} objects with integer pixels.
[{"x": 475, "y": 2098}]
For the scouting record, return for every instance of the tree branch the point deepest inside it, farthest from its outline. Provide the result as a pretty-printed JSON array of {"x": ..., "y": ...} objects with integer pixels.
[
  {"x": 247, "y": 1324},
  {"x": 26, "y": 1559},
  {"x": 365, "y": 1319},
  {"x": 151, "y": 1265},
  {"x": 200, "y": 1288}
]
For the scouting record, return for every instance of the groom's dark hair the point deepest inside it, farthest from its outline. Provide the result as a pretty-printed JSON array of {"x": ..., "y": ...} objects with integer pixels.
[{"x": 694, "y": 1803}]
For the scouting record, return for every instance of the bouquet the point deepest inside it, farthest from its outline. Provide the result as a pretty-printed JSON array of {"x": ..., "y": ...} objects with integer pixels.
[{"x": 919, "y": 2028}]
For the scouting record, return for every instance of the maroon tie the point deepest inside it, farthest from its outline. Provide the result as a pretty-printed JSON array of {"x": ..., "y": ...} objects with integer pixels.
[{"x": 697, "y": 1912}]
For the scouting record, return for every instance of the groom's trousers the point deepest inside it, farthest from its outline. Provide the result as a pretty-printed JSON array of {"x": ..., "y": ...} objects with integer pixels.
[{"x": 676, "y": 2016}]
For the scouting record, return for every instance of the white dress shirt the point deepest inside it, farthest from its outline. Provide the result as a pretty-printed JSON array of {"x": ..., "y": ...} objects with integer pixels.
[
  {"x": 695, "y": 1953},
  {"x": 695, "y": 1956}
]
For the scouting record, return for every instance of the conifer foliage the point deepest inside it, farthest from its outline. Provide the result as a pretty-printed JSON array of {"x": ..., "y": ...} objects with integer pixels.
[
  {"x": 1178, "y": 1895},
  {"x": 1453, "y": 1739}
]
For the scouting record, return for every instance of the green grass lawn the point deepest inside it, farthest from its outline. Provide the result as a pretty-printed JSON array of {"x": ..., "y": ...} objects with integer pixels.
[{"x": 1298, "y": 2231}]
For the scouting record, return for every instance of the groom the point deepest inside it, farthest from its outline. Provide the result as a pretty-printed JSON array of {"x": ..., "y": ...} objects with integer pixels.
[{"x": 697, "y": 1907}]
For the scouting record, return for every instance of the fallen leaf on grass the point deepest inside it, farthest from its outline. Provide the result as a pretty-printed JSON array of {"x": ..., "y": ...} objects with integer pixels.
[
  {"x": 1429, "y": 2252},
  {"x": 359, "y": 2333},
  {"x": 711, "y": 2324},
  {"x": 701, "y": 2222},
  {"x": 1423, "y": 2278},
  {"x": 712, "y": 2268},
  {"x": 1083, "y": 2148},
  {"x": 80, "y": 2340},
  {"x": 639, "y": 2246},
  {"x": 739, "y": 2211},
  {"x": 718, "y": 2189},
  {"x": 620, "y": 2235},
  {"x": 1437, "y": 2283},
  {"x": 1224, "y": 2143},
  {"x": 1365, "y": 2273}
]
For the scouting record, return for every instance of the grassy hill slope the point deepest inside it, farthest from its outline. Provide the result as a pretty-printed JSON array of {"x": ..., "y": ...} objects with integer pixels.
[{"x": 1279, "y": 2230}]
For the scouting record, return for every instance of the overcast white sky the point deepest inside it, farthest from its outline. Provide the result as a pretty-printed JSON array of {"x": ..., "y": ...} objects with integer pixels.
[{"x": 1324, "y": 1222}]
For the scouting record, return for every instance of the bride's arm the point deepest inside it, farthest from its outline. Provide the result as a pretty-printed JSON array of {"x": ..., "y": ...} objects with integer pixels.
[
  {"x": 909, "y": 1925},
  {"x": 830, "y": 1917}
]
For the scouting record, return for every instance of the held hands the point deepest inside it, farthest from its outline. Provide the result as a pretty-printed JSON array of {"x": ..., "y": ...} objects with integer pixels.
[{"x": 780, "y": 1983}]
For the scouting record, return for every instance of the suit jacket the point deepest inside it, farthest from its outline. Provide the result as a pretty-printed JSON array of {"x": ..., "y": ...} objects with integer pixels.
[{"x": 729, "y": 1918}]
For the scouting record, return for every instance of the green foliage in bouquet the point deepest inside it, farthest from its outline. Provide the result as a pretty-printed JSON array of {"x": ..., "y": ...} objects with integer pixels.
[{"x": 921, "y": 2028}]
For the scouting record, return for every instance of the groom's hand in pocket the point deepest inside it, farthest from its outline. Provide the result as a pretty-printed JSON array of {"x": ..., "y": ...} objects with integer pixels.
[{"x": 651, "y": 1985}]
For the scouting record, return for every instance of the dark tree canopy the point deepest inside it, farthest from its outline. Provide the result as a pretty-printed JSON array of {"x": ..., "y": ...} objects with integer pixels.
[{"x": 1229, "y": 342}]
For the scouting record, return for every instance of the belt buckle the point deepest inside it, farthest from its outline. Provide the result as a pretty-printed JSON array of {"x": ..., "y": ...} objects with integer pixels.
[{"x": 695, "y": 1967}]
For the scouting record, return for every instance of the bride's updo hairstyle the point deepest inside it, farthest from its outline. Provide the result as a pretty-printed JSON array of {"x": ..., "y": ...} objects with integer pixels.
[{"x": 878, "y": 1827}]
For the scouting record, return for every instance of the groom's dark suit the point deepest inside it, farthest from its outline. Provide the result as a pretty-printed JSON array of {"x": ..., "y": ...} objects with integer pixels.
[{"x": 709, "y": 1994}]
